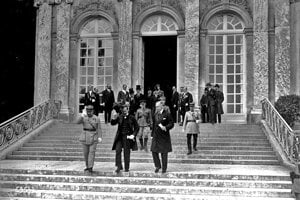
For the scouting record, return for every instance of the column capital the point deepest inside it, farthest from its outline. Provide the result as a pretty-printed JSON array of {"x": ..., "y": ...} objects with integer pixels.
[
  {"x": 271, "y": 32},
  {"x": 181, "y": 33},
  {"x": 115, "y": 35},
  {"x": 203, "y": 32}
]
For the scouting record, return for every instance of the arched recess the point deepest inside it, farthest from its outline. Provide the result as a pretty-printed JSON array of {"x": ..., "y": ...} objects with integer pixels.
[
  {"x": 110, "y": 33},
  {"x": 138, "y": 45},
  {"x": 207, "y": 43}
]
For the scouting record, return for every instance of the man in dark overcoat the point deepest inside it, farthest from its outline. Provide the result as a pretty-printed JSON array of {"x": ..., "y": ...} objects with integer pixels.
[
  {"x": 174, "y": 103},
  {"x": 108, "y": 101},
  {"x": 125, "y": 137},
  {"x": 123, "y": 95},
  {"x": 219, "y": 101},
  {"x": 92, "y": 98},
  {"x": 161, "y": 140},
  {"x": 211, "y": 99}
]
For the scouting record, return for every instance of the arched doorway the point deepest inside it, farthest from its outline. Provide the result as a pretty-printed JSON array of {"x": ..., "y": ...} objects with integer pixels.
[{"x": 159, "y": 57}]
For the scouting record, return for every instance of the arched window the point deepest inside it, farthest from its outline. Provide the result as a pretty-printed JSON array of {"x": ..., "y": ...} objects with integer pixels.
[
  {"x": 226, "y": 60},
  {"x": 95, "y": 57},
  {"x": 159, "y": 25}
]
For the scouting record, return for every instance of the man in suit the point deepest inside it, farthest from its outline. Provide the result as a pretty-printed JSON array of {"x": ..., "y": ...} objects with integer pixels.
[
  {"x": 123, "y": 95},
  {"x": 92, "y": 98},
  {"x": 108, "y": 101},
  {"x": 161, "y": 140},
  {"x": 219, "y": 101},
  {"x": 174, "y": 103},
  {"x": 211, "y": 99},
  {"x": 187, "y": 98},
  {"x": 138, "y": 97},
  {"x": 125, "y": 137}
]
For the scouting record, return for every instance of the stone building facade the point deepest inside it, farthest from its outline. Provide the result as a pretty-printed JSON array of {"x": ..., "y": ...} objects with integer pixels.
[{"x": 251, "y": 48}]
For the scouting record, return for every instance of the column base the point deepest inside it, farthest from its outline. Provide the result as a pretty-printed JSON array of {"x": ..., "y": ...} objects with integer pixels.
[
  {"x": 254, "y": 116},
  {"x": 64, "y": 114}
]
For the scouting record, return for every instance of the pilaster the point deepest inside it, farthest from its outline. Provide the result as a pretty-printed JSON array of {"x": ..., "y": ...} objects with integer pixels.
[
  {"x": 192, "y": 47},
  {"x": 43, "y": 52},
  {"x": 181, "y": 58},
  {"x": 202, "y": 62}
]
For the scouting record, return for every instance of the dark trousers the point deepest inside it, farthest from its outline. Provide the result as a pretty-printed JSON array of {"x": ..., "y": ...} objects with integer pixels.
[
  {"x": 189, "y": 143},
  {"x": 119, "y": 145},
  {"x": 107, "y": 115},
  {"x": 204, "y": 114},
  {"x": 174, "y": 114},
  {"x": 212, "y": 114},
  {"x": 164, "y": 159},
  {"x": 218, "y": 117}
]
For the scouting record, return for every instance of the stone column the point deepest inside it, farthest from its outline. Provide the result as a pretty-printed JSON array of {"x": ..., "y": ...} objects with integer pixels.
[
  {"x": 202, "y": 62},
  {"x": 180, "y": 58},
  {"x": 125, "y": 41},
  {"x": 260, "y": 18},
  {"x": 61, "y": 68},
  {"x": 282, "y": 48},
  {"x": 192, "y": 48},
  {"x": 135, "y": 59},
  {"x": 295, "y": 46},
  {"x": 42, "y": 52},
  {"x": 115, "y": 37}
]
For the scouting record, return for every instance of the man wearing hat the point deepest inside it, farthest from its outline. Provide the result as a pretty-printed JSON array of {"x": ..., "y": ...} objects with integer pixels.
[
  {"x": 90, "y": 136},
  {"x": 138, "y": 97},
  {"x": 108, "y": 101},
  {"x": 191, "y": 127},
  {"x": 211, "y": 99},
  {"x": 125, "y": 137},
  {"x": 187, "y": 98},
  {"x": 144, "y": 119},
  {"x": 161, "y": 140}
]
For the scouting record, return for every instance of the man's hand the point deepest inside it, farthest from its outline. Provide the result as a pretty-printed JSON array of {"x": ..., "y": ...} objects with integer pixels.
[
  {"x": 162, "y": 127},
  {"x": 131, "y": 137}
]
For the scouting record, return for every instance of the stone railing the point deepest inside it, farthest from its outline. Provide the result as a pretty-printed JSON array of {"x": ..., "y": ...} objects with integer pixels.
[
  {"x": 21, "y": 125},
  {"x": 286, "y": 137}
]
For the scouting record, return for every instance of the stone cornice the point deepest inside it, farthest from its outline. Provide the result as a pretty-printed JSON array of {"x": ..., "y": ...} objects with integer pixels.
[
  {"x": 294, "y": 1},
  {"x": 248, "y": 31},
  {"x": 38, "y": 3}
]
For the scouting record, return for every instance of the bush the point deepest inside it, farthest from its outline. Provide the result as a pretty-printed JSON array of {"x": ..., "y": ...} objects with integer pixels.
[{"x": 289, "y": 108}]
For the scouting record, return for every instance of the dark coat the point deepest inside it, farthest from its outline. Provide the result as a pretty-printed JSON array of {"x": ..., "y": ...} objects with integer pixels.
[
  {"x": 174, "y": 100},
  {"x": 161, "y": 140},
  {"x": 108, "y": 98},
  {"x": 92, "y": 99},
  {"x": 219, "y": 101},
  {"x": 134, "y": 129},
  {"x": 122, "y": 97}
]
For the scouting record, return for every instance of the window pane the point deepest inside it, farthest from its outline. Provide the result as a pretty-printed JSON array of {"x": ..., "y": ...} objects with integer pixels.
[
  {"x": 91, "y": 52},
  {"x": 82, "y": 70},
  {"x": 101, "y": 62},
  {"x": 238, "y": 89},
  {"x": 238, "y": 68},
  {"x": 238, "y": 59},
  {"x": 83, "y": 44},
  {"x": 211, "y": 59},
  {"x": 82, "y": 62},
  {"x": 100, "y": 43},
  {"x": 219, "y": 78},
  {"x": 211, "y": 78},
  {"x": 90, "y": 80},
  {"x": 211, "y": 49},
  {"x": 81, "y": 99},
  {"x": 229, "y": 26},
  {"x": 100, "y": 80},
  {"x": 109, "y": 61},
  {"x": 230, "y": 98},
  {"x": 238, "y": 49},
  {"x": 230, "y": 109},
  {"x": 230, "y": 49},
  {"x": 230, "y": 88},
  {"x": 230, "y": 39},
  {"x": 82, "y": 80},
  {"x": 219, "y": 59},
  {"x": 211, "y": 69},
  {"x": 219, "y": 49},
  {"x": 108, "y": 43},
  {"x": 238, "y": 78},
  {"x": 90, "y": 61},
  {"x": 238, "y": 99},
  {"x": 211, "y": 39},
  {"x": 108, "y": 80},
  {"x": 82, "y": 90},
  {"x": 238, "y": 109},
  {"x": 100, "y": 71},
  {"x": 83, "y": 52},
  {"x": 230, "y": 59},
  {"x": 108, "y": 70},
  {"x": 91, "y": 43},
  {"x": 219, "y": 69},
  {"x": 230, "y": 69},
  {"x": 101, "y": 52},
  {"x": 219, "y": 39},
  {"x": 108, "y": 52},
  {"x": 238, "y": 39},
  {"x": 90, "y": 71},
  {"x": 230, "y": 79}
]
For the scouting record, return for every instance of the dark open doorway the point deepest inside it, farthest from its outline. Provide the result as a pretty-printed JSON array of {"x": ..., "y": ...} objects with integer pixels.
[{"x": 160, "y": 63}]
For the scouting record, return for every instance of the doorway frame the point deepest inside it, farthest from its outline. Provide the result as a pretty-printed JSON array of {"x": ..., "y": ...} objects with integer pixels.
[{"x": 137, "y": 77}]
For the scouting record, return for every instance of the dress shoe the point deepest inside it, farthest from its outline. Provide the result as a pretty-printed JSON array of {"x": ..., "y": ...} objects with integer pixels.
[
  {"x": 157, "y": 169},
  {"x": 164, "y": 171},
  {"x": 86, "y": 169},
  {"x": 90, "y": 170},
  {"x": 118, "y": 170},
  {"x": 195, "y": 149},
  {"x": 189, "y": 153},
  {"x": 126, "y": 170}
]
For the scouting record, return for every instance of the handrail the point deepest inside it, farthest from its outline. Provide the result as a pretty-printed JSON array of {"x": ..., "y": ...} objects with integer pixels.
[
  {"x": 19, "y": 126},
  {"x": 284, "y": 134}
]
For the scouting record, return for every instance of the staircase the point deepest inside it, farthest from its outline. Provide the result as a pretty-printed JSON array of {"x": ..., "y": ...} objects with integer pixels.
[{"x": 232, "y": 162}]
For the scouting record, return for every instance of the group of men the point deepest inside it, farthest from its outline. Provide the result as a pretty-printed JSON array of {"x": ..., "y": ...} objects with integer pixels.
[{"x": 211, "y": 104}]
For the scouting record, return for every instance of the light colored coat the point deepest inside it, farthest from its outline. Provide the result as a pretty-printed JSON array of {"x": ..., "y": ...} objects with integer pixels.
[{"x": 191, "y": 122}]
